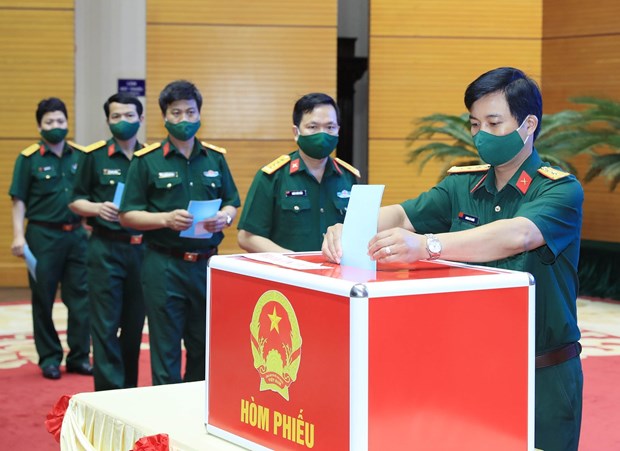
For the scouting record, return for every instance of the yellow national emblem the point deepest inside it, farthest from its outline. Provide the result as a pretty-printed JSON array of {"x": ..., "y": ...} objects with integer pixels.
[{"x": 276, "y": 342}]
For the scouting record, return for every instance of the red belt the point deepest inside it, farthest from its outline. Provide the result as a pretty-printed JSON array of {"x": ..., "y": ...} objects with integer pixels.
[
  {"x": 57, "y": 225},
  {"x": 187, "y": 256},
  {"x": 117, "y": 236},
  {"x": 558, "y": 356}
]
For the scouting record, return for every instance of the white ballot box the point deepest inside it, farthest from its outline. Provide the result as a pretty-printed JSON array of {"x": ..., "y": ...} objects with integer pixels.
[{"x": 429, "y": 356}]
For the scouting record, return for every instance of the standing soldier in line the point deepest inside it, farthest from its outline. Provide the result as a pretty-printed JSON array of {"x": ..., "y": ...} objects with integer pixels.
[
  {"x": 295, "y": 198},
  {"x": 114, "y": 253},
  {"x": 162, "y": 179},
  {"x": 40, "y": 191}
]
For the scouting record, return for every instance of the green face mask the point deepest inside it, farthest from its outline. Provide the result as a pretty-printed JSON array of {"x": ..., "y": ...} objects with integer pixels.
[
  {"x": 55, "y": 135},
  {"x": 497, "y": 150},
  {"x": 183, "y": 131},
  {"x": 317, "y": 146},
  {"x": 124, "y": 130}
]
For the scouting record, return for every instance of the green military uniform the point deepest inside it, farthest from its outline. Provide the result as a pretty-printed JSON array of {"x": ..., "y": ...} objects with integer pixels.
[
  {"x": 161, "y": 179},
  {"x": 552, "y": 200},
  {"x": 57, "y": 239},
  {"x": 113, "y": 261},
  {"x": 287, "y": 205}
]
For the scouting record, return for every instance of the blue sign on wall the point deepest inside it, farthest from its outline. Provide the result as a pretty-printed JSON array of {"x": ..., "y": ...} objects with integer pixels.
[{"x": 132, "y": 86}]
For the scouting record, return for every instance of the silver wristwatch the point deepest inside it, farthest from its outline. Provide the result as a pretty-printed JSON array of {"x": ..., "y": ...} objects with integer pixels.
[
  {"x": 229, "y": 219},
  {"x": 433, "y": 246}
]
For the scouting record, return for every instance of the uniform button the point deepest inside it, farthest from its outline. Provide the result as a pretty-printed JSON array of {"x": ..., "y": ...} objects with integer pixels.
[
  {"x": 169, "y": 185},
  {"x": 212, "y": 185},
  {"x": 112, "y": 182},
  {"x": 191, "y": 183},
  {"x": 47, "y": 177},
  {"x": 498, "y": 209},
  {"x": 296, "y": 208},
  {"x": 322, "y": 210}
]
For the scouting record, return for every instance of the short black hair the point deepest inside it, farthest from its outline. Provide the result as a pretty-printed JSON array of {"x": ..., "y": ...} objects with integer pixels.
[
  {"x": 309, "y": 102},
  {"x": 179, "y": 90},
  {"x": 49, "y": 105},
  {"x": 124, "y": 98},
  {"x": 522, "y": 93}
]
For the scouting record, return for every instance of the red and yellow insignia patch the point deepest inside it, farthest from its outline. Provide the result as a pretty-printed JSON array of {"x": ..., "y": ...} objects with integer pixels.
[{"x": 276, "y": 342}]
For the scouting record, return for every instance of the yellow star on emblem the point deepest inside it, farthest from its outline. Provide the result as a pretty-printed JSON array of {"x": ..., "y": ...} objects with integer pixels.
[{"x": 275, "y": 319}]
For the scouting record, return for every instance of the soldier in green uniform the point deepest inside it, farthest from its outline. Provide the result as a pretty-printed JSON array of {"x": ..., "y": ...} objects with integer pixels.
[
  {"x": 293, "y": 199},
  {"x": 40, "y": 191},
  {"x": 114, "y": 253},
  {"x": 163, "y": 178},
  {"x": 518, "y": 213}
]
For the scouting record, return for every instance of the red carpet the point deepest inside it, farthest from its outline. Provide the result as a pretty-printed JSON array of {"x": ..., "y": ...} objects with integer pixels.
[{"x": 26, "y": 397}]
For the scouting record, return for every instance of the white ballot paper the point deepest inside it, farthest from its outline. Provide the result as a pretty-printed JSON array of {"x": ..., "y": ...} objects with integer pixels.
[
  {"x": 118, "y": 194},
  {"x": 282, "y": 260},
  {"x": 360, "y": 225},
  {"x": 31, "y": 262},
  {"x": 201, "y": 210}
]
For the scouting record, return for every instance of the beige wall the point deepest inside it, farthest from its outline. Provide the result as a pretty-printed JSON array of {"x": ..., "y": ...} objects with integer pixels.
[{"x": 37, "y": 62}]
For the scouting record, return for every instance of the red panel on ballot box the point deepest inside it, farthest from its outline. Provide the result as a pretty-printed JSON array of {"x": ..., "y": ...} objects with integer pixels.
[
  {"x": 430, "y": 356},
  {"x": 306, "y": 409}
]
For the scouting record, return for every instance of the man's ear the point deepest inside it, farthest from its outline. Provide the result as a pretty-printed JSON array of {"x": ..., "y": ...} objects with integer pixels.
[
  {"x": 532, "y": 123},
  {"x": 295, "y": 132}
]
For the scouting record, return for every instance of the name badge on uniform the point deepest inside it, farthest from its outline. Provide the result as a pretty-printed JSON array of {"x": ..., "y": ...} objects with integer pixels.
[
  {"x": 168, "y": 175},
  {"x": 211, "y": 173},
  {"x": 45, "y": 168},
  {"x": 344, "y": 194},
  {"x": 111, "y": 172},
  {"x": 294, "y": 193},
  {"x": 468, "y": 218}
]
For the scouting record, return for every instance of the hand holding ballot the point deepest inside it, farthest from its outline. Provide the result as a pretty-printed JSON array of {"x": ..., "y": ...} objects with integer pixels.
[{"x": 108, "y": 211}]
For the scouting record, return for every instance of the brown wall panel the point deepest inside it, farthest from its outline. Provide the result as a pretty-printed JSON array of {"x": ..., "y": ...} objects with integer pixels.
[
  {"x": 243, "y": 12},
  {"x": 411, "y": 78},
  {"x": 251, "y": 62},
  {"x": 37, "y": 62},
  {"x": 422, "y": 57},
  {"x": 580, "y": 58},
  {"x": 565, "y": 18},
  {"x": 456, "y": 18}
]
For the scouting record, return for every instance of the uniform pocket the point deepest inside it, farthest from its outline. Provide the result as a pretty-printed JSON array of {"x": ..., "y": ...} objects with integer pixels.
[{"x": 45, "y": 182}]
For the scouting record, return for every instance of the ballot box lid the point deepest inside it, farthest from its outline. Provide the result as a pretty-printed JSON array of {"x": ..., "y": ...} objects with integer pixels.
[{"x": 388, "y": 279}]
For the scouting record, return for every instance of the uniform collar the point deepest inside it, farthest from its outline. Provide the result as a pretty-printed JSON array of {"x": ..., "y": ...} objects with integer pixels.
[
  {"x": 44, "y": 148},
  {"x": 297, "y": 164},
  {"x": 169, "y": 148},
  {"x": 521, "y": 179},
  {"x": 113, "y": 148}
]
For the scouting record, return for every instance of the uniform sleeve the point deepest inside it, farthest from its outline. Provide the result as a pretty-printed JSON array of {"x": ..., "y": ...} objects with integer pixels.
[
  {"x": 557, "y": 212},
  {"x": 257, "y": 214},
  {"x": 430, "y": 211},
  {"x": 20, "y": 186},
  {"x": 83, "y": 184},
  {"x": 136, "y": 186},
  {"x": 230, "y": 195}
]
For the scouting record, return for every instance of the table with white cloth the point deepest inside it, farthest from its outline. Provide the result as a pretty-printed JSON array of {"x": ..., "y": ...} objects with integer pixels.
[{"x": 115, "y": 419}]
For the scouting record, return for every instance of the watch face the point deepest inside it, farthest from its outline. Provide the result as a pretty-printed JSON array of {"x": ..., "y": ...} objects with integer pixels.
[{"x": 434, "y": 246}]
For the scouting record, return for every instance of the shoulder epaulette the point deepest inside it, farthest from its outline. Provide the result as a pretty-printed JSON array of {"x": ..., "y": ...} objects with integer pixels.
[
  {"x": 76, "y": 146},
  {"x": 276, "y": 164},
  {"x": 94, "y": 146},
  {"x": 213, "y": 147},
  {"x": 31, "y": 149},
  {"x": 464, "y": 169},
  {"x": 147, "y": 149},
  {"x": 553, "y": 174},
  {"x": 347, "y": 166}
]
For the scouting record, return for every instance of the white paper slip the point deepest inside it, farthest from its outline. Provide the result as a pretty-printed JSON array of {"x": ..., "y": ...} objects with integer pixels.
[
  {"x": 31, "y": 262},
  {"x": 282, "y": 260},
  {"x": 360, "y": 225},
  {"x": 201, "y": 210},
  {"x": 118, "y": 194}
]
